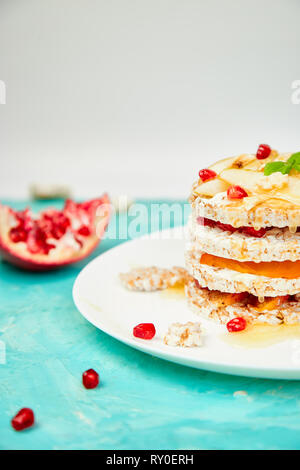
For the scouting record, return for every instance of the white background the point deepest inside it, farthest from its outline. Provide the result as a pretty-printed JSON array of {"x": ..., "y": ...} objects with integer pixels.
[{"x": 135, "y": 96}]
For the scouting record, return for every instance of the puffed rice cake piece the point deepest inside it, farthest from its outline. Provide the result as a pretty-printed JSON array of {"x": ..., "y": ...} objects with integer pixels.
[
  {"x": 152, "y": 278},
  {"x": 188, "y": 335}
]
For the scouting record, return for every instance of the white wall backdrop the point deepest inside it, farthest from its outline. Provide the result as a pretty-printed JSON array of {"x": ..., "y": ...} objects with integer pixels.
[{"x": 134, "y": 96}]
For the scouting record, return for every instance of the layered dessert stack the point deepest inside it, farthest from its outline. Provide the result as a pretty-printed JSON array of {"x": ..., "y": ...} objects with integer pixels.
[{"x": 243, "y": 254}]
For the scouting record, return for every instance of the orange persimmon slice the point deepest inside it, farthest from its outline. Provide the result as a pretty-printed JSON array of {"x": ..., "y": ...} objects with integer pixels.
[
  {"x": 271, "y": 303},
  {"x": 275, "y": 269}
]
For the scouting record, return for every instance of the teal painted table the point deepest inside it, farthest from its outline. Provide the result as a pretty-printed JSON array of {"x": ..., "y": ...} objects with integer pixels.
[{"x": 142, "y": 403}]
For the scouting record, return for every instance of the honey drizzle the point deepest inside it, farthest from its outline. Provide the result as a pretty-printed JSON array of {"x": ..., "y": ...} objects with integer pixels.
[{"x": 262, "y": 335}]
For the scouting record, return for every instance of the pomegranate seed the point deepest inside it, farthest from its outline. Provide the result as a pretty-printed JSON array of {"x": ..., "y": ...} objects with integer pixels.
[
  {"x": 24, "y": 218},
  {"x": 23, "y": 419},
  {"x": 206, "y": 222},
  {"x": 144, "y": 331},
  {"x": 207, "y": 174},
  {"x": 90, "y": 378},
  {"x": 254, "y": 233},
  {"x": 236, "y": 192},
  {"x": 226, "y": 227},
  {"x": 236, "y": 324},
  {"x": 54, "y": 223},
  {"x": 229, "y": 228},
  {"x": 34, "y": 241},
  {"x": 18, "y": 234},
  {"x": 84, "y": 231},
  {"x": 263, "y": 151}
]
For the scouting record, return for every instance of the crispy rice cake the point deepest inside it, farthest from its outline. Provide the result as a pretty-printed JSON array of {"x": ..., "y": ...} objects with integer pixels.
[
  {"x": 222, "y": 307},
  {"x": 273, "y": 201},
  {"x": 276, "y": 245},
  {"x": 228, "y": 280}
]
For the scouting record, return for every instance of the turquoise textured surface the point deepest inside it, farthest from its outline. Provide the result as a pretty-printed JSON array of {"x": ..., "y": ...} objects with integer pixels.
[{"x": 142, "y": 402}]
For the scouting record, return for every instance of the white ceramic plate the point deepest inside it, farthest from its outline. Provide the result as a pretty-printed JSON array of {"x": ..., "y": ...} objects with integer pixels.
[{"x": 104, "y": 302}]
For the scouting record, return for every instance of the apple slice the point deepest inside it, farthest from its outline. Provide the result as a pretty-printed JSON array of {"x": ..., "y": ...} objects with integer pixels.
[
  {"x": 292, "y": 192},
  {"x": 238, "y": 162},
  {"x": 211, "y": 188},
  {"x": 243, "y": 161},
  {"x": 247, "y": 179},
  {"x": 222, "y": 164}
]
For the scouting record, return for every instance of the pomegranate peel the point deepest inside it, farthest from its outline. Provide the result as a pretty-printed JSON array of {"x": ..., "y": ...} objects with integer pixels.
[{"x": 54, "y": 238}]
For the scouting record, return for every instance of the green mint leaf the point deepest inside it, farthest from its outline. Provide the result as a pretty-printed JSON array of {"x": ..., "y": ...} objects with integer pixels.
[
  {"x": 293, "y": 163},
  {"x": 284, "y": 167},
  {"x": 273, "y": 167},
  {"x": 287, "y": 167},
  {"x": 295, "y": 157}
]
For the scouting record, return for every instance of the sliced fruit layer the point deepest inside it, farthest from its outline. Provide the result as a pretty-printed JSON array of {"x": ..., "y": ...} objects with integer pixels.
[
  {"x": 271, "y": 303},
  {"x": 54, "y": 237},
  {"x": 273, "y": 269},
  {"x": 223, "y": 307},
  {"x": 247, "y": 171},
  {"x": 229, "y": 228},
  {"x": 226, "y": 299}
]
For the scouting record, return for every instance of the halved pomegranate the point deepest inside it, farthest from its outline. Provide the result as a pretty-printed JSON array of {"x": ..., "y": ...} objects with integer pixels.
[{"x": 53, "y": 238}]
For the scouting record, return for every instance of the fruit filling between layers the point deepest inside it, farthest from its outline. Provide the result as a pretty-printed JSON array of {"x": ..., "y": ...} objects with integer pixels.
[
  {"x": 273, "y": 269},
  {"x": 261, "y": 305},
  {"x": 222, "y": 307},
  {"x": 250, "y": 231}
]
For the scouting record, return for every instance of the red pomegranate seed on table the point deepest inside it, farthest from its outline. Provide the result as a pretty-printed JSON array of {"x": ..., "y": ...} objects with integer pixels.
[
  {"x": 144, "y": 331},
  {"x": 23, "y": 419},
  {"x": 263, "y": 151},
  {"x": 236, "y": 192},
  {"x": 236, "y": 324},
  {"x": 90, "y": 378},
  {"x": 207, "y": 174}
]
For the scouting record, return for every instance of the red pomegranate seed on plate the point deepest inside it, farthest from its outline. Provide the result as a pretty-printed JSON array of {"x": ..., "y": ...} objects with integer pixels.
[
  {"x": 236, "y": 192},
  {"x": 236, "y": 324},
  {"x": 207, "y": 174},
  {"x": 144, "y": 331},
  {"x": 263, "y": 151},
  {"x": 90, "y": 378},
  {"x": 23, "y": 419}
]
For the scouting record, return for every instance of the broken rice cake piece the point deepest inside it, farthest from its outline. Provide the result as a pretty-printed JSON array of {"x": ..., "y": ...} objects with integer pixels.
[
  {"x": 153, "y": 278},
  {"x": 187, "y": 335}
]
